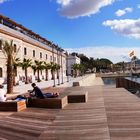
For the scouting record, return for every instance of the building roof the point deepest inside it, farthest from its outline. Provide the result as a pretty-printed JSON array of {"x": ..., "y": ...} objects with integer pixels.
[{"x": 18, "y": 27}]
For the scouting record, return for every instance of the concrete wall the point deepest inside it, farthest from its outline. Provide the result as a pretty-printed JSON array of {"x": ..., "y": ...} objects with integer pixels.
[{"x": 91, "y": 80}]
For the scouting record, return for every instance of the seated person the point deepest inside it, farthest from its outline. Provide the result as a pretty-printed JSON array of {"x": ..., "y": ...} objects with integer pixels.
[
  {"x": 2, "y": 94},
  {"x": 40, "y": 94}
]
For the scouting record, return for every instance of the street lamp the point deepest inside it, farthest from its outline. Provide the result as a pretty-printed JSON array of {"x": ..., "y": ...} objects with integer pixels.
[
  {"x": 58, "y": 62},
  {"x": 61, "y": 51},
  {"x": 67, "y": 61},
  {"x": 52, "y": 61}
]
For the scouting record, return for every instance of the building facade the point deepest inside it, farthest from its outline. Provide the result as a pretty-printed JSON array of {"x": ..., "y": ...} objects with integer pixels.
[
  {"x": 31, "y": 46},
  {"x": 71, "y": 60}
]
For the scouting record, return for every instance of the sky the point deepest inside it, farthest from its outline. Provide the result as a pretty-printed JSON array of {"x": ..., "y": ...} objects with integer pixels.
[{"x": 97, "y": 28}]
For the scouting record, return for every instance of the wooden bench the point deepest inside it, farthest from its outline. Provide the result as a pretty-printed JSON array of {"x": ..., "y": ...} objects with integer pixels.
[
  {"x": 70, "y": 95},
  {"x": 52, "y": 103},
  {"x": 78, "y": 97},
  {"x": 13, "y": 105}
]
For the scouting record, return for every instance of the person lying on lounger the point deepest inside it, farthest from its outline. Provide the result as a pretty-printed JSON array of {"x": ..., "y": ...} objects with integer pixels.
[
  {"x": 39, "y": 94},
  {"x": 2, "y": 94}
]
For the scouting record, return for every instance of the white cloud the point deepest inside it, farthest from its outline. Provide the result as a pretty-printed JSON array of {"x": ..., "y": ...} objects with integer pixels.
[
  {"x": 138, "y": 6},
  {"x": 77, "y": 8},
  {"x": 126, "y": 27},
  {"x": 115, "y": 54},
  {"x": 2, "y": 1},
  {"x": 123, "y": 11},
  {"x": 63, "y": 2}
]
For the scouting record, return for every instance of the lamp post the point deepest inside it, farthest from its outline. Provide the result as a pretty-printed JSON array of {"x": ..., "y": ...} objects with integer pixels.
[
  {"x": 61, "y": 51},
  {"x": 53, "y": 71},
  {"x": 67, "y": 63},
  {"x": 58, "y": 62}
]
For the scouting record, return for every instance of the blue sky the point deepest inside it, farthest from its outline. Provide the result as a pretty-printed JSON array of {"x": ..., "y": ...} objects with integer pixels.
[{"x": 97, "y": 28}]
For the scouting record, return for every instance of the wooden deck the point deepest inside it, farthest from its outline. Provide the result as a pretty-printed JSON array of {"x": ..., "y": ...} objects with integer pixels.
[{"x": 109, "y": 114}]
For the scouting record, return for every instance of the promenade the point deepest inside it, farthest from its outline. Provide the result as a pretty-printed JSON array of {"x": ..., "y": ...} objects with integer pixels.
[
  {"x": 86, "y": 80},
  {"x": 109, "y": 114}
]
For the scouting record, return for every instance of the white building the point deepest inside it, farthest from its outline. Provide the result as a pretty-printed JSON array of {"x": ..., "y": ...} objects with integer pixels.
[
  {"x": 31, "y": 46},
  {"x": 71, "y": 60}
]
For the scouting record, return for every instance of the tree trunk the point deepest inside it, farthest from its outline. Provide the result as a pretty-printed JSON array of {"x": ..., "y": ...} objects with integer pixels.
[
  {"x": 52, "y": 72},
  {"x": 46, "y": 75},
  {"x": 54, "y": 78},
  {"x": 58, "y": 77},
  {"x": 14, "y": 76},
  {"x": 38, "y": 79},
  {"x": 26, "y": 76},
  {"x": 9, "y": 75}
]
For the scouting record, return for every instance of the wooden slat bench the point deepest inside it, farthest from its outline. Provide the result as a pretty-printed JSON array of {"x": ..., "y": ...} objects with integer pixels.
[
  {"x": 78, "y": 97},
  {"x": 13, "y": 105},
  {"x": 52, "y": 103}
]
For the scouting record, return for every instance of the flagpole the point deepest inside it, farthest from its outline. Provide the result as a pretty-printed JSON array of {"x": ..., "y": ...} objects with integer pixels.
[{"x": 131, "y": 54}]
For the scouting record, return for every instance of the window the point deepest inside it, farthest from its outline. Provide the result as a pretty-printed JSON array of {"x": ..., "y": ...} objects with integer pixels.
[
  {"x": 0, "y": 72},
  {"x": 33, "y": 53},
  {"x": 0, "y": 44},
  {"x": 25, "y": 51},
  {"x": 54, "y": 59},
  {"x": 15, "y": 47},
  {"x": 46, "y": 56},
  {"x": 50, "y": 58},
  {"x": 40, "y": 55}
]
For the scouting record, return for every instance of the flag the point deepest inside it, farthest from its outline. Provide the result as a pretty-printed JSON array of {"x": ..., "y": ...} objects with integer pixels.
[{"x": 131, "y": 53}]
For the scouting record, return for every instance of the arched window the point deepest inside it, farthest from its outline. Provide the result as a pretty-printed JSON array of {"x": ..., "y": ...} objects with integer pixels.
[{"x": 0, "y": 72}]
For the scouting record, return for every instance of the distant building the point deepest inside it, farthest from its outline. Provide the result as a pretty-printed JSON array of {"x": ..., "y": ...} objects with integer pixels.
[
  {"x": 31, "y": 46},
  {"x": 134, "y": 65},
  {"x": 71, "y": 60}
]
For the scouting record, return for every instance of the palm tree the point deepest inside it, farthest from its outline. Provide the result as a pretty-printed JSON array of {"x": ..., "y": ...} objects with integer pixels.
[
  {"x": 39, "y": 66},
  {"x": 53, "y": 70},
  {"x": 81, "y": 69},
  {"x": 57, "y": 69},
  {"x": 75, "y": 68},
  {"x": 8, "y": 50},
  {"x": 47, "y": 66},
  {"x": 34, "y": 67},
  {"x": 16, "y": 64},
  {"x": 25, "y": 65}
]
